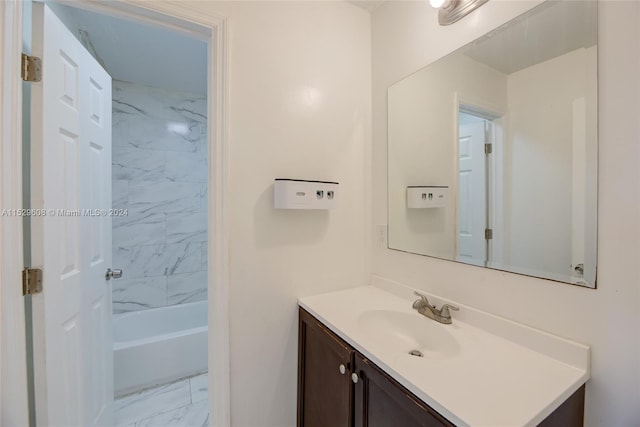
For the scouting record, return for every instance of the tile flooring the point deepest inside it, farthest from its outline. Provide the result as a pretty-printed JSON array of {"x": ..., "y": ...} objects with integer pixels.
[{"x": 181, "y": 403}]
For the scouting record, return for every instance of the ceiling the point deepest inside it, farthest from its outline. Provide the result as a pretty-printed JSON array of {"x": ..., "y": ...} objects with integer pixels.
[
  {"x": 141, "y": 53},
  {"x": 548, "y": 31}
]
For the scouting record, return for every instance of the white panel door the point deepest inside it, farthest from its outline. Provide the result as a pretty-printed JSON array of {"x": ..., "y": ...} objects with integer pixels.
[
  {"x": 71, "y": 236},
  {"x": 95, "y": 194},
  {"x": 472, "y": 194}
]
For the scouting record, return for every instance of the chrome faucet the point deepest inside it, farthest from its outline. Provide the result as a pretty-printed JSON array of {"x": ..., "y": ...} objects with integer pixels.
[{"x": 423, "y": 307}]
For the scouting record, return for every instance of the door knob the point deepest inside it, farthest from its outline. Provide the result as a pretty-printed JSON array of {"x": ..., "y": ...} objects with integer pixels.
[
  {"x": 354, "y": 378},
  {"x": 342, "y": 369},
  {"x": 113, "y": 274}
]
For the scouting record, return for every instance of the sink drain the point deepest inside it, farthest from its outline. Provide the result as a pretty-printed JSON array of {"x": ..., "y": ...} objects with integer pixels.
[{"x": 417, "y": 353}]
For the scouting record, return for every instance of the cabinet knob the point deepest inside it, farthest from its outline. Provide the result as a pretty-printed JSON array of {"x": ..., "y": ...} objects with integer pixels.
[
  {"x": 354, "y": 378},
  {"x": 342, "y": 369}
]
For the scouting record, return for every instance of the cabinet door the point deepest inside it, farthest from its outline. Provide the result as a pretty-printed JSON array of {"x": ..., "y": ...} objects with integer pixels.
[
  {"x": 380, "y": 401},
  {"x": 569, "y": 414},
  {"x": 325, "y": 394}
]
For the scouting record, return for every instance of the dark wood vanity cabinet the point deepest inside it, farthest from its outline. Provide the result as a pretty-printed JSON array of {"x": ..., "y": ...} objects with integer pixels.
[
  {"x": 325, "y": 389},
  {"x": 382, "y": 402},
  {"x": 362, "y": 395},
  {"x": 569, "y": 414}
]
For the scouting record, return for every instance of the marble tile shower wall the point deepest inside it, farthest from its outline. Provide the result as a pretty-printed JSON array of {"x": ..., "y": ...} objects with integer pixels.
[{"x": 160, "y": 177}]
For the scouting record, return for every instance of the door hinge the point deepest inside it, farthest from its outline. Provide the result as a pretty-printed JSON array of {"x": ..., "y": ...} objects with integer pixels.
[
  {"x": 31, "y": 281},
  {"x": 31, "y": 68},
  {"x": 488, "y": 148},
  {"x": 488, "y": 233}
]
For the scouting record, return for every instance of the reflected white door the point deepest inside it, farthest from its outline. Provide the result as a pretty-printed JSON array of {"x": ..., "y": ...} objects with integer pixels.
[
  {"x": 71, "y": 183},
  {"x": 472, "y": 194}
]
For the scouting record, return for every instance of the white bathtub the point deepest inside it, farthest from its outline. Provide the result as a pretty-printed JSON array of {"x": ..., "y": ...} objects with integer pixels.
[{"x": 159, "y": 345}]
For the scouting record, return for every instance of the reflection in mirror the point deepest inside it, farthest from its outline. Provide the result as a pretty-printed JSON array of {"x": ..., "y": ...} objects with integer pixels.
[{"x": 493, "y": 149}]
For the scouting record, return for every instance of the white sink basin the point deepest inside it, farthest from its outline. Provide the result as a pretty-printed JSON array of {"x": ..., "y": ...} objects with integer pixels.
[
  {"x": 466, "y": 368},
  {"x": 408, "y": 332}
]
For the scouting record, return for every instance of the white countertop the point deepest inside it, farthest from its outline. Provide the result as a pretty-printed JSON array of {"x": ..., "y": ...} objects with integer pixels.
[{"x": 488, "y": 376}]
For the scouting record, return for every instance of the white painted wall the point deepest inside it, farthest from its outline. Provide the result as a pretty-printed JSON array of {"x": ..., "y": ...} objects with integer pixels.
[
  {"x": 422, "y": 124},
  {"x": 300, "y": 108},
  {"x": 406, "y": 37},
  {"x": 540, "y": 155}
]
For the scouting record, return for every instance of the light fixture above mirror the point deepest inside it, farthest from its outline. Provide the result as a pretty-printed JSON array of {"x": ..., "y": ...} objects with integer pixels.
[{"x": 453, "y": 10}]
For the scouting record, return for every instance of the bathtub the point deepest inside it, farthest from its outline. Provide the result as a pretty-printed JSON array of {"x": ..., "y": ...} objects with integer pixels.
[{"x": 159, "y": 345}]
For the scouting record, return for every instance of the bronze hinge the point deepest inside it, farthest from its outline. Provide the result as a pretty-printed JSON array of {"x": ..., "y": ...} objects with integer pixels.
[
  {"x": 31, "y": 281},
  {"x": 31, "y": 68},
  {"x": 488, "y": 233}
]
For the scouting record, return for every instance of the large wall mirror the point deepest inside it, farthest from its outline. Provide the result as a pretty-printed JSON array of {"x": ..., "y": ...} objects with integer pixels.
[{"x": 493, "y": 149}]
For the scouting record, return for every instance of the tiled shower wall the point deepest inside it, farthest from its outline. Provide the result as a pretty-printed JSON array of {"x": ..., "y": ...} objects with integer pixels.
[{"x": 160, "y": 177}]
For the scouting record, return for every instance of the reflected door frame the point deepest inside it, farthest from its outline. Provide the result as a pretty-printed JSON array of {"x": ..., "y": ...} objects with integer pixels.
[{"x": 495, "y": 171}]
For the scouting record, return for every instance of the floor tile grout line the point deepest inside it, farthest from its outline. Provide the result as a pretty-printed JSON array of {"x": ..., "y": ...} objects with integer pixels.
[
  {"x": 148, "y": 389},
  {"x": 160, "y": 413},
  {"x": 188, "y": 384}
]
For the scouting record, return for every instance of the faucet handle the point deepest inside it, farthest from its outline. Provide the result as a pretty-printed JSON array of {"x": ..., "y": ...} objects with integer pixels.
[
  {"x": 422, "y": 302},
  {"x": 444, "y": 310},
  {"x": 422, "y": 296}
]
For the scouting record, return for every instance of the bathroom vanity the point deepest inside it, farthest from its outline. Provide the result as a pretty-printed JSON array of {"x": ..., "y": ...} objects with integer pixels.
[
  {"x": 367, "y": 359},
  {"x": 361, "y": 390}
]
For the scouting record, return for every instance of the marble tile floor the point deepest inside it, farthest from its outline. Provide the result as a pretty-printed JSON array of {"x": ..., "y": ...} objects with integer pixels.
[{"x": 182, "y": 403}]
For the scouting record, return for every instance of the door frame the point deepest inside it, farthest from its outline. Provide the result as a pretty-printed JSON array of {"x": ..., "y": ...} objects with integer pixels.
[
  {"x": 465, "y": 103},
  {"x": 14, "y": 408},
  {"x": 207, "y": 25}
]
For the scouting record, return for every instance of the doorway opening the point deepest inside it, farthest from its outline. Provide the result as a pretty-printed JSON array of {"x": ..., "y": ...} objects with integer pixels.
[
  {"x": 156, "y": 128},
  {"x": 480, "y": 190}
]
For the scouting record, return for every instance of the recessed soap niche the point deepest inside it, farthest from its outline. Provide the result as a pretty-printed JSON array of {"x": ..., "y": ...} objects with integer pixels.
[
  {"x": 305, "y": 194},
  {"x": 422, "y": 197}
]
